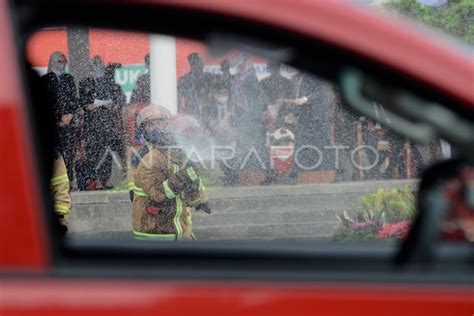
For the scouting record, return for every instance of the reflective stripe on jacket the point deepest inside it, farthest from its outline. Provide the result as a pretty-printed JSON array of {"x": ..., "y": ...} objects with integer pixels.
[{"x": 60, "y": 188}]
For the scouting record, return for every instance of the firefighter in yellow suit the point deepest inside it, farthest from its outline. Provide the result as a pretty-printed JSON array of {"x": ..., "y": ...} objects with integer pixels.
[
  {"x": 60, "y": 191},
  {"x": 146, "y": 119},
  {"x": 166, "y": 185}
]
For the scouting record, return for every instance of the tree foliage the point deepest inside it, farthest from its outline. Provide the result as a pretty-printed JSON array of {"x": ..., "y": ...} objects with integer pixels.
[{"x": 456, "y": 17}]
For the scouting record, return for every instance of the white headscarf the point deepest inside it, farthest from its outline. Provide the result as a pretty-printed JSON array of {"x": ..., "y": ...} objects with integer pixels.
[{"x": 54, "y": 66}]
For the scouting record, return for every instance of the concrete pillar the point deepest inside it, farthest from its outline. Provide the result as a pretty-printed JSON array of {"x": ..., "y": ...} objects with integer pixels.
[
  {"x": 163, "y": 83},
  {"x": 78, "y": 52}
]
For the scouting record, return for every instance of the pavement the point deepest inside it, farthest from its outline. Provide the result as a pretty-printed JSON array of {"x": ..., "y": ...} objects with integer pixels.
[{"x": 244, "y": 213}]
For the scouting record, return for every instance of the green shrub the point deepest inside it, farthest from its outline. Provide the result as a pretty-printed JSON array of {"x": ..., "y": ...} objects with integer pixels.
[{"x": 386, "y": 206}]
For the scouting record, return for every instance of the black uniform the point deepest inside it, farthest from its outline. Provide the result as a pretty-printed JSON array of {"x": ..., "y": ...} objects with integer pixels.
[
  {"x": 194, "y": 87},
  {"x": 276, "y": 87},
  {"x": 100, "y": 125},
  {"x": 313, "y": 127},
  {"x": 141, "y": 92},
  {"x": 61, "y": 93},
  {"x": 248, "y": 102}
]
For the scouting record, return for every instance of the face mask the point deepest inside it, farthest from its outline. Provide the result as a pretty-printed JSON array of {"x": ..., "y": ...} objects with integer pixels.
[
  {"x": 59, "y": 68},
  {"x": 222, "y": 99},
  {"x": 234, "y": 71},
  {"x": 160, "y": 137},
  {"x": 98, "y": 70},
  {"x": 57, "y": 63}
]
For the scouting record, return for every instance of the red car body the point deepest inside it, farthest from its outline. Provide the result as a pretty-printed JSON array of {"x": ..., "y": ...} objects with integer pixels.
[{"x": 26, "y": 264}]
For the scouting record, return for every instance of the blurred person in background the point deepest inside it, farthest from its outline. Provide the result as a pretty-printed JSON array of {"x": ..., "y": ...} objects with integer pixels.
[
  {"x": 248, "y": 102},
  {"x": 216, "y": 115},
  {"x": 62, "y": 97},
  {"x": 96, "y": 119},
  {"x": 398, "y": 157},
  {"x": 100, "y": 97},
  {"x": 115, "y": 92},
  {"x": 141, "y": 92},
  {"x": 345, "y": 134},
  {"x": 217, "y": 119},
  {"x": 313, "y": 127},
  {"x": 225, "y": 76},
  {"x": 194, "y": 87},
  {"x": 277, "y": 87}
]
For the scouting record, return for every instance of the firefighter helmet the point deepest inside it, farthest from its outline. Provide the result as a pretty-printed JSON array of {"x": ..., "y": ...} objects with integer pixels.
[
  {"x": 182, "y": 124},
  {"x": 152, "y": 112}
]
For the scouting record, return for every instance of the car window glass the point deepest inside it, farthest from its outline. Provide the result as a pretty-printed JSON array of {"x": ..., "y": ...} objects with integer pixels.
[{"x": 158, "y": 139}]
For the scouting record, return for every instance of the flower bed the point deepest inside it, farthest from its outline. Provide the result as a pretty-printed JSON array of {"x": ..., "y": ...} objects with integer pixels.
[{"x": 387, "y": 214}]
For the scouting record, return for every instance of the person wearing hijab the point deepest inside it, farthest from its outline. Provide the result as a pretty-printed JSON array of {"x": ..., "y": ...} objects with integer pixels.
[
  {"x": 115, "y": 92},
  {"x": 99, "y": 96},
  {"x": 61, "y": 95}
]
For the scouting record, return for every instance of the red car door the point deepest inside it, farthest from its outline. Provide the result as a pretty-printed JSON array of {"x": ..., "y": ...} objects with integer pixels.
[{"x": 41, "y": 275}]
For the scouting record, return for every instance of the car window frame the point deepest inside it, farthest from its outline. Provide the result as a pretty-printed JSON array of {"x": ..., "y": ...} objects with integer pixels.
[{"x": 307, "y": 261}]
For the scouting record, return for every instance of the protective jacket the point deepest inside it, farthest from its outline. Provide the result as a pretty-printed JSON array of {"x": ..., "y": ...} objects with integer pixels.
[
  {"x": 135, "y": 160},
  {"x": 160, "y": 213}
]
